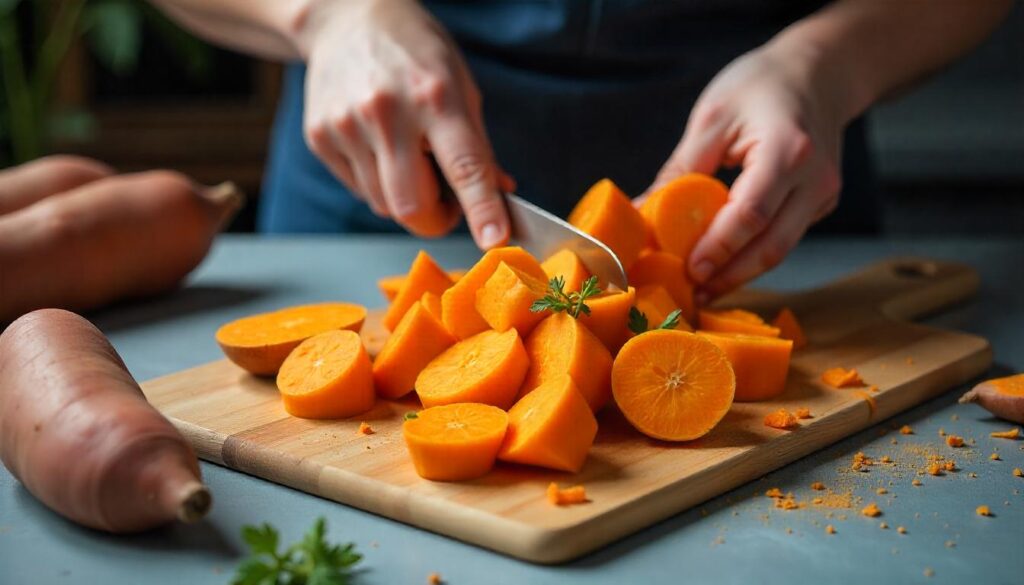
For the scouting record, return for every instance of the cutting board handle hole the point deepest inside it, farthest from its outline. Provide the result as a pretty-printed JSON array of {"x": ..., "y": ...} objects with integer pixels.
[{"x": 913, "y": 269}]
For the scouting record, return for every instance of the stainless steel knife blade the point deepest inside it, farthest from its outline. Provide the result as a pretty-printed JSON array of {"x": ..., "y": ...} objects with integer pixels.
[{"x": 542, "y": 234}]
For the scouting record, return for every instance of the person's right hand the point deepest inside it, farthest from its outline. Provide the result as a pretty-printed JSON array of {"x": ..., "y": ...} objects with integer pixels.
[{"x": 386, "y": 88}]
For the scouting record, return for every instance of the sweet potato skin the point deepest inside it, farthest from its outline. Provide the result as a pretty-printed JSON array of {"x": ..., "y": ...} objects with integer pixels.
[
  {"x": 1001, "y": 397},
  {"x": 26, "y": 184},
  {"x": 77, "y": 431},
  {"x": 113, "y": 238}
]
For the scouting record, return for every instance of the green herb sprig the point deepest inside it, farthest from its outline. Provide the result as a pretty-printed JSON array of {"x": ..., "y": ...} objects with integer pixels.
[
  {"x": 557, "y": 300},
  {"x": 312, "y": 561},
  {"x": 638, "y": 321}
]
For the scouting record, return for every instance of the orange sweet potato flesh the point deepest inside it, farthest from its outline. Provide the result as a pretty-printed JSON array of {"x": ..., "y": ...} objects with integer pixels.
[
  {"x": 487, "y": 368},
  {"x": 551, "y": 427},
  {"x": 458, "y": 303},
  {"x": 418, "y": 339},
  {"x": 735, "y": 321},
  {"x": 560, "y": 345},
  {"x": 657, "y": 304},
  {"x": 789, "y": 328},
  {"x": 432, "y": 303},
  {"x": 668, "y": 271},
  {"x": 390, "y": 285},
  {"x": 1003, "y": 397},
  {"x": 679, "y": 213},
  {"x": 260, "y": 343},
  {"x": 113, "y": 238},
  {"x": 566, "y": 264},
  {"x": 504, "y": 301},
  {"x": 606, "y": 213},
  {"x": 609, "y": 317},
  {"x": 842, "y": 378},
  {"x": 424, "y": 276},
  {"x": 455, "y": 442},
  {"x": 78, "y": 433},
  {"x": 327, "y": 376},
  {"x": 761, "y": 364},
  {"x": 672, "y": 385}
]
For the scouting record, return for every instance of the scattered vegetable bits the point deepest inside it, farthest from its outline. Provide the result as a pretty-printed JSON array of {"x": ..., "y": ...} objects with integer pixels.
[
  {"x": 995, "y": 457},
  {"x": 954, "y": 441},
  {"x": 871, "y": 510},
  {"x": 906, "y": 430},
  {"x": 365, "y": 429},
  {"x": 781, "y": 419},
  {"x": 576, "y": 494},
  {"x": 983, "y": 510},
  {"x": 901, "y": 530},
  {"x": 818, "y": 486},
  {"x": 829, "y": 529},
  {"x": 881, "y": 491},
  {"x": 1010, "y": 434},
  {"x": 1017, "y": 472},
  {"x": 434, "y": 579},
  {"x": 803, "y": 412},
  {"x": 842, "y": 378},
  {"x": 774, "y": 493}
]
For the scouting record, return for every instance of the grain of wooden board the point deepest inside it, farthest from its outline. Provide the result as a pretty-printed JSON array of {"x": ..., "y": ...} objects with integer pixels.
[{"x": 236, "y": 420}]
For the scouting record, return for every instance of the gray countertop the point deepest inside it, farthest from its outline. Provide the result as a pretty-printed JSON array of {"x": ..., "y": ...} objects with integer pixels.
[{"x": 736, "y": 538}]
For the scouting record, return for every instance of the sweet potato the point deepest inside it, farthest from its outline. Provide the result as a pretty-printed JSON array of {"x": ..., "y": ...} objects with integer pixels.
[
  {"x": 607, "y": 214},
  {"x": 504, "y": 301},
  {"x": 424, "y": 276},
  {"x": 561, "y": 345},
  {"x": 679, "y": 213},
  {"x": 1003, "y": 397},
  {"x": 488, "y": 368},
  {"x": 668, "y": 271},
  {"x": 567, "y": 264},
  {"x": 789, "y": 328},
  {"x": 656, "y": 303},
  {"x": 458, "y": 303},
  {"x": 735, "y": 321},
  {"x": 328, "y": 375},
  {"x": 24, "y": 185},
  {"x": 455, "y": 442},
  {"x": 609, "y": 317},
  {"x": 418, "y": 339},
  {"x": 77, "y": 431},
  {"x": 114, "y": 238},
  {"x": 760, "y": 363}
]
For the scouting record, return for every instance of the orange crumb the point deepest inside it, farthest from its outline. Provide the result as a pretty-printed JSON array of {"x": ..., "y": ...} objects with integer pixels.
[
  {"x": 829, "y": 529},
  {"x": 955, "y": 441},
  {"x": 886, "y": 459},
  {"x": 929, "y": 572},
  {"x": 949, "y": 465},
  {"x": 950, "y": 544},
  {"x": 955, "y": 417},
  {"x": 935, "y": 469},
  {"x": 841, "y": 378},
  {"x": 881, "y": 491},
  {"x": 576, "y": 494},
  {"x": 906, "y": 430},
  {"x": 789, "y": 531},
  {"x": 1017, "y": 472},
  {"x": 787, "y": 504},
  {"x": 1010, "y": 434},
  {"x": 994, "y": 457},
  {"x": 365, "y": 429},
  {"x": 972, "y": 474},
  {"x": 872, "y": 405},
  {"x": 916, "y": 483},
  {"x": 901, "y": 530},
  {"x": 780, "y": 419},
  {"x": 983, "y": 511},
  {"x": 871, "y": 510},
  {"x": 774, "y": 493},
  {"x": 817, "y": 486},
  {"x": 873, "y": 388},
  {"x": 818, "y": 500},
  {"x": 910, "y": 361},
  {"x": 803, "y": 412},
  {"x": 883, "y": 526},
  {"x": 434, "y": 579},
  {"x": 856, "y": 466},
  {"x": 942, "y": 432}
]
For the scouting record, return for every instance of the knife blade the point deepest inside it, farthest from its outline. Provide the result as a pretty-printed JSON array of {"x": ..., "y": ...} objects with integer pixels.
[{"x": 542, "y": 234}]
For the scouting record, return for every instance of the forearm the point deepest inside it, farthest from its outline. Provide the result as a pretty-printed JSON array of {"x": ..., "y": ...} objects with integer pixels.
[
  {"x": 871, "y": 49},
  {"x": 268, "y": 28}
]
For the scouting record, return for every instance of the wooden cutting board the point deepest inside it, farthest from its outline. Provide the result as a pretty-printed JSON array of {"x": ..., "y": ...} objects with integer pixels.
[{"x": 236, "y": 420}]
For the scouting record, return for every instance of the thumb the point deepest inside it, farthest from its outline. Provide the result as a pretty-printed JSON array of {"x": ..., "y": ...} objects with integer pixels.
[{"x": 701, "y": 150}]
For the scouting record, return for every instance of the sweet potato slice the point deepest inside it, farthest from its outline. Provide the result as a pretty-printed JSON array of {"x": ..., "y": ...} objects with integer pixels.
[
  {"x": 260, "y": 343},
  {"x": 458, "y": 303},
  {"x": 607, "y": 214},
  {"x": 735, "y": 321},
  {"x": 390, "y": 285},
  {"x": 789, "y": 328},
  {"x": 424, "y": 276},
  {"x": 672, "y": 385},
  {"x": 566, "y": 264},
  {"x": 668, "y": 271},
  {"x": 455, "y": 442},
  {"x": 327, "y": 376},
  {"x": 551, "y": 427},
  {"x": 504, "y": 301},
  {"x": 488, "y": 368},
  {"x": 418, "y": 339},
  {"x": 680, "y": 212},
  {"x": 761, "y": 364},
  {"x": 656, "y": 303},
  {"x": 609, "y": 317},
  {"x": 432, "y": 303},
  {"x": 560, "y": 345}
]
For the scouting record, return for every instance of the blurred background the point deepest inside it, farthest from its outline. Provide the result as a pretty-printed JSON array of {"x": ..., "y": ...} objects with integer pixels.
[{"x": 116, "y": 81}]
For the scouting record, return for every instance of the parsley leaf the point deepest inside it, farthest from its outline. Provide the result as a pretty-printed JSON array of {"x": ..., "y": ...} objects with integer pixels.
[
  {"x": 557, "y": 300},
  {"x": 312, "y": 561},
  {"x": 638, "y": 321}
]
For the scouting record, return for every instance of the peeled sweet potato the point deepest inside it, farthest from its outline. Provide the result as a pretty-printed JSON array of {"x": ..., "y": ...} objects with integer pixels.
[
  {"x": 113, "y": 238},
  {"x": 77, "y": 431}
]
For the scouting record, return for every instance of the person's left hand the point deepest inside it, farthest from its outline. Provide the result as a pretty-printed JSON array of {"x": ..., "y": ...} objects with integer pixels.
[{"x": 770, "y": 112}]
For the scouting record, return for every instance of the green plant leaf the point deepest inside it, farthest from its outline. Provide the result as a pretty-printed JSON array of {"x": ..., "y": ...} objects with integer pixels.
[
  {"x": 637, "y": 321},
  {"x": 7, "y": 6},
  {"x": 671, "y": 320},
  {"x": 261, "y": 539},
  {"x": 114, "y": 31},
  {"x": 254, "y": 572}
]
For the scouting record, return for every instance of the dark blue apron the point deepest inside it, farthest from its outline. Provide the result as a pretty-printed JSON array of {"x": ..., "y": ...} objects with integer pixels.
[{"x": 574, "y": 91}]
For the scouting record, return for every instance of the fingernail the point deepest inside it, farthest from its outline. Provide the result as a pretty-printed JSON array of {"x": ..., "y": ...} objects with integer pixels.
[
  {"x": 490, "y": 236},
  {"x": 702, "y": 271}
]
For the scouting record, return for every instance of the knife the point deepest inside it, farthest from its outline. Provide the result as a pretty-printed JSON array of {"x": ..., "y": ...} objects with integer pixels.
[{"x": 542, "y": 234}]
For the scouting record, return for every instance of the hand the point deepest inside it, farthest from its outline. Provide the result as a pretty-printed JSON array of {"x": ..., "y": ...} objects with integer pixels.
[
  {"x": 770, "y": 112},
  {"x": 385, "y": 89}
]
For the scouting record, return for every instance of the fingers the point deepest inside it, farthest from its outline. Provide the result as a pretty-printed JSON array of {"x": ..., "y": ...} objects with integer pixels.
[
  {"x": 701, "y": 149},
  {"x": 468, "y": 165},
  {"x": 755, "y": 200}
]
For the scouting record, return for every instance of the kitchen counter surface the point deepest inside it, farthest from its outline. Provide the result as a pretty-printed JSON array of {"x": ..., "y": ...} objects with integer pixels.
[{"x": 738, "y": 537}]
